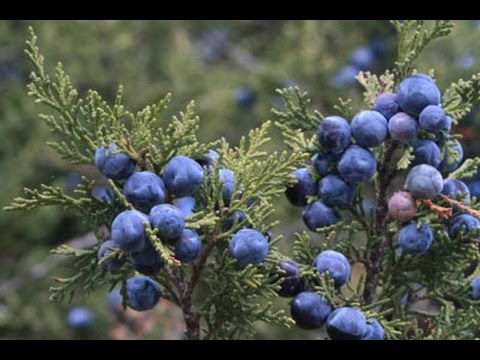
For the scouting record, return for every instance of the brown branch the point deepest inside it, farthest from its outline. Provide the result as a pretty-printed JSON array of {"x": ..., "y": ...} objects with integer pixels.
[
  {"x": 461, "y": 206},
  {"x": 185, "y": 289},
  {"x": 441, "y": 211},
  {"x": 190, "y": 314},
  {"x": 192, "y": 318},
  {"x": 374, "y": 257},
  {"x": 200, "y": 264}
]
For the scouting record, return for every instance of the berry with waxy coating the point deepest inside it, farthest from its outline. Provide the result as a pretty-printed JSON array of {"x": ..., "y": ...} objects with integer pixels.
[
  {"x": 249, "y": 246},
  {"x": 188, "y": 246},
  {"x": 414, "y": 239},
  {"x": 182, "y": 176},
  {"x": 318, "y": 215},
  {"x": 113, "y": 263},
  {"x": 369, "y": 128},
  {"x": 386, "y": 104},
  {"x": 113, "y": 164},
  {"x": 416, "y": 92},
  {"x": 336, "y": 264},
  {"x": 128, "y": 230},
  {"x": 456, "y": 189},
  {"x": 375, "y": 331},
  {"x": 144, "y": 190},
  {"x": 346, "y": 323},
  {"x": 432, "y": 119},
  {"x": 320, "y": 164},
  {"x": 424, "y": 182},
  {"x": 462, "y": 225},
  {"x": 334, "y": 191},
  {"x": 334, "y": 134},
  {"x": 169, "y": 221},
  {"x": 148, "y": 261},
  {"x": 310, "y": 310},
  {"x": 357, "y": 164},
  {"x": 402, "y": 128},
  {"x": 298, "y": 192},
  {"x": 142, "y": 293},
  {"x": 292, "y": 282},
  {"x": 426, "y": 152}
]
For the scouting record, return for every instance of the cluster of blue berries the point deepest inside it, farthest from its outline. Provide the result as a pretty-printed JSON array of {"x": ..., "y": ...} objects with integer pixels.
[
  {"x": 311, "y": 311},
  {"x": 163, "y": 203},
  {"x": 419, "y": 98},
  {"x": 340, "y": 167},
  {"x": 412, "y": 116},
  {"x": 406, "y": 118}
]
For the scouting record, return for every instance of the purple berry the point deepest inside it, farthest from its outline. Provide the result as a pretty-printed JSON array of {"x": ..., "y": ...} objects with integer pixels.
[{"x": 402, "y": 206}]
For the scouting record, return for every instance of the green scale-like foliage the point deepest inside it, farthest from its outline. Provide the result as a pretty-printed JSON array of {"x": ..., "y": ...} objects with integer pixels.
[{"x": 83, "y": 124}]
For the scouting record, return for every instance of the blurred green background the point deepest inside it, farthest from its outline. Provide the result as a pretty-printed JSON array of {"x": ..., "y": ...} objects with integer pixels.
[{"x": 231, "y": 69}]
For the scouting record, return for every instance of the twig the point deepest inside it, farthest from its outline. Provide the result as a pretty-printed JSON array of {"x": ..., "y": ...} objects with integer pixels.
[
  {"x": 373, "y": 264},
  {"x": 439, "y": 210},
  {"x": 461, "y": 206}
]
